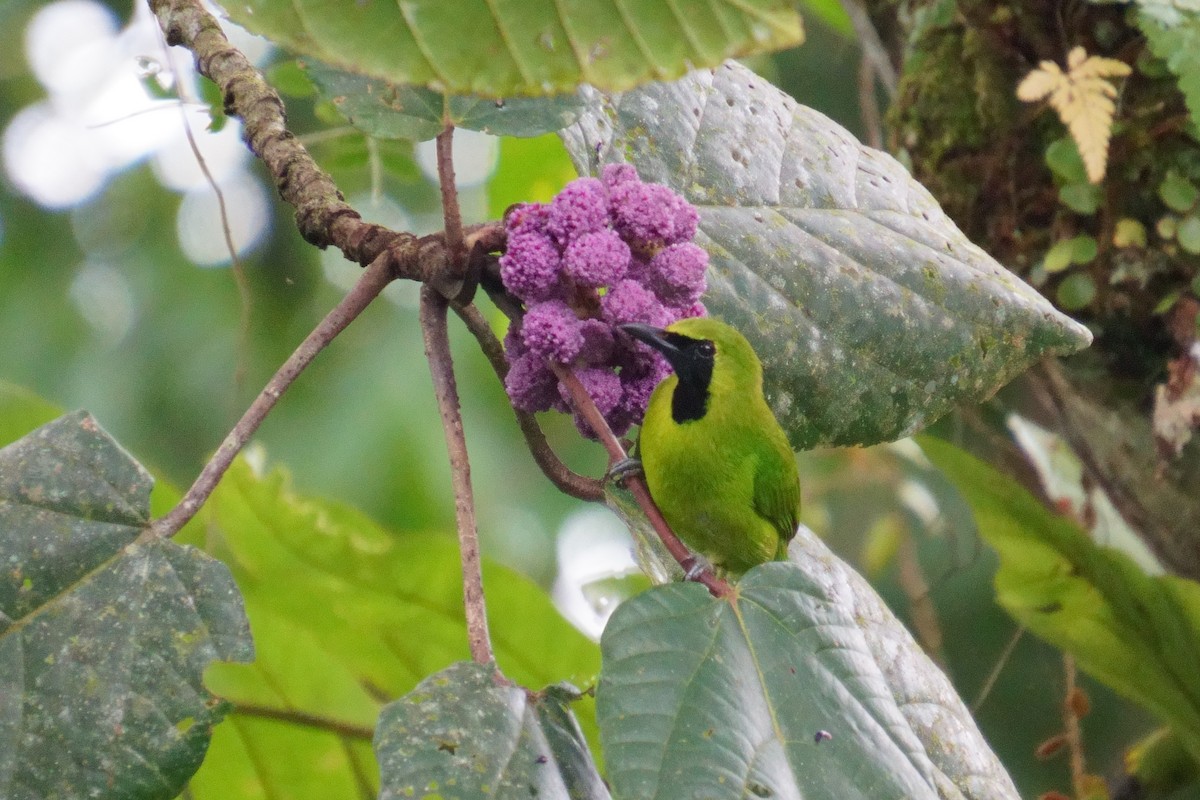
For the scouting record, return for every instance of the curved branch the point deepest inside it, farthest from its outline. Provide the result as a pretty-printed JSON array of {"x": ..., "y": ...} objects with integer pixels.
[
  {"x": 566, "y": 480},
  {"x": 322, "y": 215},
  {"x": 372, "y": 282}
]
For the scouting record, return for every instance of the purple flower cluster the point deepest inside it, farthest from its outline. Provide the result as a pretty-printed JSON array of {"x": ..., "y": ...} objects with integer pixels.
[{"x": 604, "y": 252}]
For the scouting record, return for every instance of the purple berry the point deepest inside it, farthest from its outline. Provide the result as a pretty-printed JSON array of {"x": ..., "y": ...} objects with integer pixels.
[
  {"x": 527, "y": 218},
  {"x": 630, "y": 301},
  {"x": 530, "y": 266},
  {"x": 598, "y": 342},
  {"x": 612, "y": 174},
  {"x": 551, "y": 330},
  {"x": 676, "y": 274},
  {"x": 581, "y": 207},
  {"x": 638, "y": 380},
  {"x": 696, "y": 309},
  {"x": 644, "y": 214},
  {"x": 530, "y": 384},
  {"x": 599, "y": 258}
]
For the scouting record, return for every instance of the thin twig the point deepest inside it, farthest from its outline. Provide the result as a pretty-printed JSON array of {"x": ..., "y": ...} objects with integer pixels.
[
  {"x": 637, "y": 486},
  {"x": 239, "y": 270},
  {"x": 1071, "y": 728},
  {"x": 347, "y": 729},
  {"x": 437, "y": 352},
  {"x": 373, "y": 280},
  {"x": 867, "y": 105},
  {"x": 916, "y": 589},
  {"x": 565, "y": 479},
  {"x": 872, "y": 46},
  {"x": 994, "y": 675}
]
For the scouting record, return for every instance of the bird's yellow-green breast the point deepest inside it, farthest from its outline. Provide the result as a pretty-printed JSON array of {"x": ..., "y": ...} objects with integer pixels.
[{"x": 715, "y": 459}]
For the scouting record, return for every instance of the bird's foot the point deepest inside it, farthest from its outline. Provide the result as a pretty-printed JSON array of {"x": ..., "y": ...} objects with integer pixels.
[
  {"x": 624, "y": 469},
  {"x": 694, "y": 566}
]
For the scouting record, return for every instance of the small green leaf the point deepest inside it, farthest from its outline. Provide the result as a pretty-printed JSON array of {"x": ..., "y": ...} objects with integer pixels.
[
  {"x": 1178, "y": 192},
  {"x": 1062, "y": 156},
  {"x": 1167, "y": 303},
  {"x": 1076, "y": 291},
  {"x": 1059, "y": 256},
  {"x": 1082, "y": 198},
  {"x": 1129, "y": 232},
  {"x": 1084, "y": 250},
  {"x": 1188, "y": 234},
  {"x": 1167, "y": 226},
  {"x": 1138, "y": 634}
]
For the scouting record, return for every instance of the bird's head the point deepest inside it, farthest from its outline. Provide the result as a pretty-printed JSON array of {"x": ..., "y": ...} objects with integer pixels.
[{"x": 704, "y": 353}]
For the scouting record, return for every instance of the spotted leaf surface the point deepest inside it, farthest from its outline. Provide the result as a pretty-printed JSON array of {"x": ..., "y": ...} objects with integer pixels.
[
  {"x": 872, "y": 312},
  {"x": 103, "y": 639}
]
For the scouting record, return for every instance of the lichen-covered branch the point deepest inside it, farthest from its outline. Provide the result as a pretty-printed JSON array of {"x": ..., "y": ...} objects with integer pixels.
[{"x": 322, "y": 215}]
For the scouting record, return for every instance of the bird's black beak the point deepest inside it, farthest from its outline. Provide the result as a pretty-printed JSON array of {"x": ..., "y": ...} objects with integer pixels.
[
  {"x": 673, "y": 346},
  {"x": 655, "y": 337}
]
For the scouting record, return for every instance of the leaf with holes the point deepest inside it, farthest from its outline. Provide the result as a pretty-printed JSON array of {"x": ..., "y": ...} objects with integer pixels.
[
  {"x": 800, "y": 684},
  {"x": 389, "y": 111},
  {"x": 873, "y": 314},
  {"x": 533, "y": 47},
  {"x": 463, "y": 734},
  {"x": 103, "y": 638}
]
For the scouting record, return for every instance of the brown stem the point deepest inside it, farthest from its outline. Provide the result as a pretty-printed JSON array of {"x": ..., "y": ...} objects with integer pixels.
[
  {"x": 916, "y": 588},
  {"x": 441, "y": 366},
  {"x": 678, "y": 550},
  {"x": 566, "y": 480},
  {"x": 1071, "y": 729},
  {"x": 306, "y": 719},
  {"x": 372, "y": 282},
  {"x": 451, "y": 214}
]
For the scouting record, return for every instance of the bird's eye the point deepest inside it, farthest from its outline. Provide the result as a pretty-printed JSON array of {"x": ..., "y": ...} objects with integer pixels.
[{"x": 707, "y": 349}]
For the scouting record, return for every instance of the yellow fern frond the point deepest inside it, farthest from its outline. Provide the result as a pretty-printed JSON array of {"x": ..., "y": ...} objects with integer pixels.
[{"x": 1083, "y": 98}]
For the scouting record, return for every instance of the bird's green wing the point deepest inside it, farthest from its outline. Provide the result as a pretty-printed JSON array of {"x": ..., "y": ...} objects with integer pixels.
[{"x": 777, "y": 492}]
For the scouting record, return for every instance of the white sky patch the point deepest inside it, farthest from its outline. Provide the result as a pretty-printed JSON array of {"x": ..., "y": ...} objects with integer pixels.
[{"x": 593, "y": 546}]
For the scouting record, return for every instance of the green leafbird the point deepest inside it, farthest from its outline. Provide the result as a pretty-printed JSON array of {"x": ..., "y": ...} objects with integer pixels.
[{"x": 715, "y": 459}]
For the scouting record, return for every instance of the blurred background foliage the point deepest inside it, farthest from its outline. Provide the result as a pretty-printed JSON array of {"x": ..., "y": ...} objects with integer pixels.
[{"x": 107, "y": 303}]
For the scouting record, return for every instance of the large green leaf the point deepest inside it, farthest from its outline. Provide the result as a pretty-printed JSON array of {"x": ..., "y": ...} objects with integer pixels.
[
  {"x": 1138, "y": 634},
  {"x": 103, "y": 638},
  {"x": 346, "y": 616},
  {"x": 872, "y": 312},
  {"x": 389, "y": 111},
  {"x": 522, "y": 47},
  {"x": 462, "y": 734},
  {"x": 802, "y": 684}
]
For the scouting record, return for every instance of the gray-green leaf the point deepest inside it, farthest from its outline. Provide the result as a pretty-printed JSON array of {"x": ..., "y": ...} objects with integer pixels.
[
  {"x": 802, "y": 684},
  {"x": 103, "y": 640},
  {"x": 872, "y": 312},
  {"x": 390, "y": 111},
  {"x": 461, "y": 735}
]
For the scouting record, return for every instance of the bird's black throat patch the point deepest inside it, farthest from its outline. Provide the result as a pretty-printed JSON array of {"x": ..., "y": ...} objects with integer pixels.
[{"x": 692, "y": 360}]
